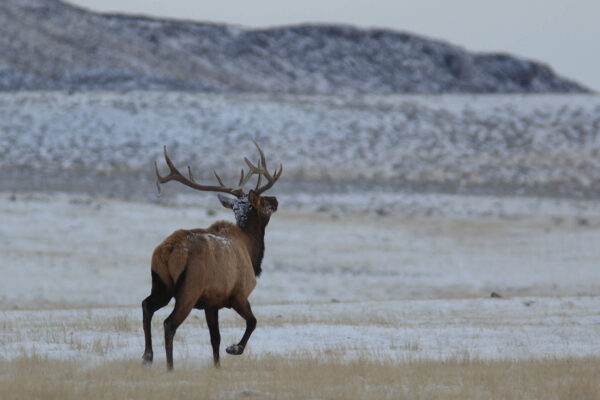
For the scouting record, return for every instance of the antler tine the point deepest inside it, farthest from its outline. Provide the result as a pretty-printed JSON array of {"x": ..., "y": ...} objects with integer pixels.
[
  {"x": 245, "y": 179},
  {"x": 259, "y": 180},
  {"x": 218, "y": 178},
  {"x": 276, "y": 173},
  {"x": 250, "y": 165},
  {"x": 262, "y": 156},
  {"x": 255, "y": 170},
  {"x": 175, "y": 175},
  {"x": 263, "y": 171},
  {"x": 163, "y": 179},
  {"x": 190, "y": 174},
  {"x": 157, "y": 180}
]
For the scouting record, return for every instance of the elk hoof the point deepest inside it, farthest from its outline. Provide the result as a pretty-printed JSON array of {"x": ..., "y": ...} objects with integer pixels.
[
  {"x": 235, "y": 349},
  {"x": 147, "y": 359}
]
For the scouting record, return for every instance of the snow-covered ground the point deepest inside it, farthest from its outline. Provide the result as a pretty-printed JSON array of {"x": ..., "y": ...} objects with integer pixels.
[
  {"x": 414, "y": 283},
  {"x": 397, "y": 330},
  {"x": 67, "y": 250}
]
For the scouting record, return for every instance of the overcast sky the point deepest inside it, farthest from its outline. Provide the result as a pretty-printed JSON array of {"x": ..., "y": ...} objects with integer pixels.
[{"x": 564, "y": 34}]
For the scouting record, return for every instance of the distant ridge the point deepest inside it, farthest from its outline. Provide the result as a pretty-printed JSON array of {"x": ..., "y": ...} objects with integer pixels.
[{"x": 48, "y": 44}]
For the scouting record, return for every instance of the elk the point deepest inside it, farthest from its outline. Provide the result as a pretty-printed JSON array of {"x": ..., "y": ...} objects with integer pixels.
[{"x": 215, "y": 267}]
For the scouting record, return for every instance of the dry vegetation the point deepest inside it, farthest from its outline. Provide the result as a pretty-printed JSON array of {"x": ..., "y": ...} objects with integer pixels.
[{"x": 301, "y": 377}]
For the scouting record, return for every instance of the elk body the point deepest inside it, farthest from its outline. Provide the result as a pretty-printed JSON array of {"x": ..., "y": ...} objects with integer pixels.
[{"x": 214, "y": 267}]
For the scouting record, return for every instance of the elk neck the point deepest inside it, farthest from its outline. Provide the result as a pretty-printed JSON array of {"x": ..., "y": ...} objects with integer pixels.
[{"x": 254, "y": 228}]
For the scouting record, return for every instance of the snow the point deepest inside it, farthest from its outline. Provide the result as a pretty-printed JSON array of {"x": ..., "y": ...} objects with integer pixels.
[
  {"x": 484, "y": 144},
  {"x": 399, "y": 286},
  {"x": 59, "y": 247},
  {"x": 365, "y": 268},
  {"x": 241, "y": 207},
  {"x": 391, "y": 330},
  {"x": 221, "y": 239}
]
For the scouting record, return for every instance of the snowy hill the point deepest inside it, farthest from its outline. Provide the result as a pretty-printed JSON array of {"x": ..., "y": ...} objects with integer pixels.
[
  {"x": 106, "y": 142},
  {"x": 47, "y": 44}
]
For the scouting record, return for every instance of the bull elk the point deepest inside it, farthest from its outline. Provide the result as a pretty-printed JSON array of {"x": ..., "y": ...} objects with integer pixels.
[{"x": 215, "y": 267}]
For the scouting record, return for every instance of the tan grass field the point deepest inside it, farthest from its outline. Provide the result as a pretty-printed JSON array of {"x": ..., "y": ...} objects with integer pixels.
[
  {"x": 387, "y": 352},
  {"x": 302, "y": 377}
]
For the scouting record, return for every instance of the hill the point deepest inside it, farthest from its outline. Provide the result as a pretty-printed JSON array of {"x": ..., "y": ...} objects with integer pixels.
[{"x": 48, "y": 44}]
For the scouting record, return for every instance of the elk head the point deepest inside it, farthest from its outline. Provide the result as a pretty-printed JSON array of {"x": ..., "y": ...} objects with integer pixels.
[{"x": 249, "y": 208}]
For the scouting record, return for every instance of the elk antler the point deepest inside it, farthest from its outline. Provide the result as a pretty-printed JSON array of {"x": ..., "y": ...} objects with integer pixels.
[
  {"x": 263, "y": 171},
  {"x": 175, "y": 175}
]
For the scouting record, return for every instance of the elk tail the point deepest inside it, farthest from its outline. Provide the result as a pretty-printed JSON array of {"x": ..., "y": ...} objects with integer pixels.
[
  {"x": 160, "y": 268},
  {"x": 169, "y": 260}
]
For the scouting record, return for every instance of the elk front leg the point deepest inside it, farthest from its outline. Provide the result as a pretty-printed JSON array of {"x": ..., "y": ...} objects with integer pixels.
[
  {"x": 243, "y": 308},
  {"x": 212, "y": 320}
]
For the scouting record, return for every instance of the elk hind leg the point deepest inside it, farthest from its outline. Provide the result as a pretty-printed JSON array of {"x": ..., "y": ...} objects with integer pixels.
[
  {"x": 183, "y": 306},
  {"x": 212, "y": 320},
  {"x": 159, "y": 297},
  {"x": 243, "y": 308}
]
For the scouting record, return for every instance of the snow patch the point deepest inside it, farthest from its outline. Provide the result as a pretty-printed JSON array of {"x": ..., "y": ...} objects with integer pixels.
[
  {"x": 193, "y": 236},
  {"x": 241, "y": 208},
  {"x": 221, "y": 239}
]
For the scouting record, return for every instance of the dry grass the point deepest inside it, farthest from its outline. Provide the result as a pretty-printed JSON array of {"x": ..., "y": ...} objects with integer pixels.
[{"x": 302, "y": 377}]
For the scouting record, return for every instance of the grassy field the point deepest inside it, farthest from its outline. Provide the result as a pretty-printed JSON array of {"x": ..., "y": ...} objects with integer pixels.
[
  {"x": 302, "y": 377},
  {"x": 350, "y": 305}
]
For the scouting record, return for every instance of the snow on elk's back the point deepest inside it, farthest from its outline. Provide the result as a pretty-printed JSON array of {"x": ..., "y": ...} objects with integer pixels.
[
  {"x": 223, "y": 240},
  {"x": 193, "y": 236}
]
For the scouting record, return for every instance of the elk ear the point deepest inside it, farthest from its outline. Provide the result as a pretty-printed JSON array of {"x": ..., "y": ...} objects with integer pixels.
[
  {"x": 254, "y": 199},
  {"x": 226, "y": 201}
]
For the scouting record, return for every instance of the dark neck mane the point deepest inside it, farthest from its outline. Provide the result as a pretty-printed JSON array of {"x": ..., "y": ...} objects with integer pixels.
[{"x": 255, "y": 229}]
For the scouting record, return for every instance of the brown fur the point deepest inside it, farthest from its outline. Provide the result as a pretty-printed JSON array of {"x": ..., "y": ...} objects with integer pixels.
[
  {"x": 217, "y": 261},
  {"x": 210, "y": 269}
]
